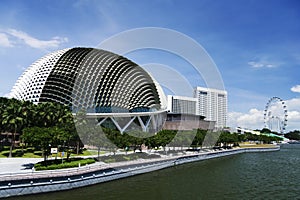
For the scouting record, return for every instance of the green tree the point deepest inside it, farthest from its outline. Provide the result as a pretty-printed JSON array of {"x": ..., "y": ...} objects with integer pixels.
[
  {"x": 94, "y": 135},
  {"x": 266, "y": 130},
  {"x": 15, "y": 115},
  {"x": 51, "y": 114},
  {"x": 13, "y": 118},
  {"x": 4, "y": 102},
  {"x": 198, "y": 140},
  {"x": 227, "y": 138},
  {"x": 293, "y": 135},
  {"x": 45, "y": 138}
]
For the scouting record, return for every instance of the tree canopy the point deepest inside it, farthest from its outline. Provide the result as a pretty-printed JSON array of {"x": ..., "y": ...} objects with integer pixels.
[
  {"x": 38, "y": 124},
  {"x": 293, "y": 135}
]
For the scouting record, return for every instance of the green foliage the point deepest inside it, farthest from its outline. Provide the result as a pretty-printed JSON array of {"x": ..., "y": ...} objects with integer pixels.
[
  {"x": 16, "y": 115},
  {"x": 58, "y": 164},
  {"x": 162, "y": 138},
  {"x": 46, "y": 138},
  {"x": 198, "y": 140},
  {"x": 31, "y": 155},
  {"x": 227, "y": 138},
  {"x": 29, "y": 150},
  {"x": 263, "y": 138},
  {"x": 15, "y": 153},
  {"x": 4, "y": 148},
  {"x": 293, "y": 135},
  {"x": 41, "y": 125},
  {"x": 265, "y": 130}
]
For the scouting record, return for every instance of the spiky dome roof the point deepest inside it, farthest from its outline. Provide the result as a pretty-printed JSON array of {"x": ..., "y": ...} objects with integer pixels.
[{"x": 90, "y": 78}]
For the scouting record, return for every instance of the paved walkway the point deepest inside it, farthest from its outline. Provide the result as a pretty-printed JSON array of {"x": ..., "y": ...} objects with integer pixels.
[{"x": 17, "y": 165}]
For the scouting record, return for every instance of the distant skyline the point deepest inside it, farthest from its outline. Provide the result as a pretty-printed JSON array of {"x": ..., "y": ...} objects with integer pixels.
[{"x": 255, "y": 44}]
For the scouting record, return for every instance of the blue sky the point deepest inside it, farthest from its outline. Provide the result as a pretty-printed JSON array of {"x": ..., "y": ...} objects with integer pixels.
[{"x": 255, "y": 44}]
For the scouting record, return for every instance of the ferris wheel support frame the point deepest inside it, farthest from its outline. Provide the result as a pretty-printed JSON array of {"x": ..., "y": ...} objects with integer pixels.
[{"x": 282, "y": 124}]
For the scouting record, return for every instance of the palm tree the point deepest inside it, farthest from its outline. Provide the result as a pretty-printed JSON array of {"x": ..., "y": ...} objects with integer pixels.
[
  {"x": 13, "y": 119},
  {"x": 51, "y": 114},
  {"x": 3, "y": 104},
  {"x": 44, "y": 114}
]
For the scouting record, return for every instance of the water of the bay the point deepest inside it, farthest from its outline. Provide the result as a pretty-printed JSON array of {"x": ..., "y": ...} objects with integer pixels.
[{"x": 269, "y": 175}]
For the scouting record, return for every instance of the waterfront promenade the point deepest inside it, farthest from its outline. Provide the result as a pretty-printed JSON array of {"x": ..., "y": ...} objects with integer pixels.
[{"x": 19, "y": 179}]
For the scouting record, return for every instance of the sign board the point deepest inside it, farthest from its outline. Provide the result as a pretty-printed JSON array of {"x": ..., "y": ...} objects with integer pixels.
[{"x": 53, "y": 150}]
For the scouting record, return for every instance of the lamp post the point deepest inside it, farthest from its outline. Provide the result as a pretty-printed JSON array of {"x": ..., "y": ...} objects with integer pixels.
[{"x": 63, "y": 153}]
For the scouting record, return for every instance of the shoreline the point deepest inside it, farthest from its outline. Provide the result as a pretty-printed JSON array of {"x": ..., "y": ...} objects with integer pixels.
[{"x": 17, "y": 184}]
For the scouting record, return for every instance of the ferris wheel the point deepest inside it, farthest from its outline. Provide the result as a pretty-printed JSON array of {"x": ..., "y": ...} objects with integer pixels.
[{"x": 275, "y": 115}]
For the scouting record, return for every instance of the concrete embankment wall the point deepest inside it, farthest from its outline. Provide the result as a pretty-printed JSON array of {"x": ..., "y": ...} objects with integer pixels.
[{"x": 58, "y": 180}]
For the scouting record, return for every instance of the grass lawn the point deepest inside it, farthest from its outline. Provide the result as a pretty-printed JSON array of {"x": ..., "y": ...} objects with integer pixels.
[
  {"x": 33, "y": 153},
  {"x": 91, "y": 153},
  {"x": 30, "y": 155},
  {"x": 251, "y": 145}
]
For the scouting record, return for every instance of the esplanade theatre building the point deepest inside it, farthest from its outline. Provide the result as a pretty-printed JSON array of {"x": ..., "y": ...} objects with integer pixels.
[{"x": 106, "y": 85}]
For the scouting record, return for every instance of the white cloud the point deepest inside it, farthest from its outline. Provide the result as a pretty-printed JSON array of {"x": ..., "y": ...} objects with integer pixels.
[
  {"x": 296, "y": 88},
  {"x": 4, "y": 41},
  {"x": 254, "y": 119},
  {"x": 7, "y": 37},
  {"x": 293, "y": 104},
  {"x": 261, "y": 64},
  {"x": 294, "y": 116}
]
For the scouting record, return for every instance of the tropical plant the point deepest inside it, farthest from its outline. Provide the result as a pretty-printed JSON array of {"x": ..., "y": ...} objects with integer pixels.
[{"x": 13, "y": 118}]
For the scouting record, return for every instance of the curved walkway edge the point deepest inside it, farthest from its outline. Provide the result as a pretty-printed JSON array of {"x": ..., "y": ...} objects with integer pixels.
[{"x": 58, "y": 180}]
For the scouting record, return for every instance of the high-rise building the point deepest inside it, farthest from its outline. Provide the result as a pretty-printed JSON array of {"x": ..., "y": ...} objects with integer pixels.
[{"x": 212, "y": 104}]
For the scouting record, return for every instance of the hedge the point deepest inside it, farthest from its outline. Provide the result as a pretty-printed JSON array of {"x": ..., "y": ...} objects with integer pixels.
[{"x": 57, "y": 164}]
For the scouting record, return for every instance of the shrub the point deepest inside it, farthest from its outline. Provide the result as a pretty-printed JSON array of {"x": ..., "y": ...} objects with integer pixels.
[
  {"x": 38, "y": 153},
  {"x": 57, "y": 164},
  {"x": 5, "y": 153},
  {"x": 30, "y": 150},
  {"x": 15, "y": 153}
]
